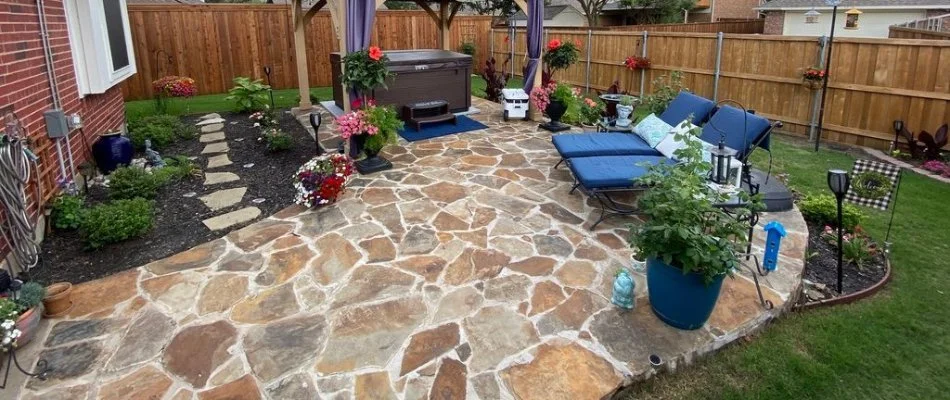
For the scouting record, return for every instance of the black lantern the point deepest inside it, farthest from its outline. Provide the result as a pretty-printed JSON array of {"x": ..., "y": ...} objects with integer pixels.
[
  {"x": 898, "y": 127},
  {"x": 270, "y": 90},
  {"x": 722, "y": 162},
  {"x": 315, "y": 121},
  {"x": 839, "y": 181}
]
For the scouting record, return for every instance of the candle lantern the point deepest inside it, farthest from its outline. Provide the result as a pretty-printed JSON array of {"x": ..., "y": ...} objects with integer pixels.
[
  {"x": 722, "y": 157},
  {"x": 839, "y": 181}
]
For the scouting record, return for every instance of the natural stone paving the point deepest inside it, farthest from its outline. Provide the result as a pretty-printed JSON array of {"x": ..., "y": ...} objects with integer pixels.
[
  {"x": 465, "y": 272},
  {"x": 232, "y": 218},
  {"x": 223, "y": 198},
  {"x": 212, "y": 148},
  {"x": 219, "y": 161},
  {"x": 211, "y": 137},
  {"x": 214, "y": 178}
]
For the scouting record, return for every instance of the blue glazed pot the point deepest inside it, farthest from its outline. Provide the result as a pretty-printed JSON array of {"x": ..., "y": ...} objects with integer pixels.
[
  {"x": 682, "y": 301},
  {"x": 111, "y": 151}
]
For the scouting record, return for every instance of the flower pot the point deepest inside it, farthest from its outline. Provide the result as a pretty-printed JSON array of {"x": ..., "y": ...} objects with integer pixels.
[
  {"x": 555, "y": 110},
  {"x": 27, "y": 323},
  {"x": 111, "y": 151},
  {"x": 811, "y": 84},
  {"x": 623, "y": 115},
  {"x": 58, "y": 300},
  {"x": 373, "y": 162},
  {"x": 681, "y": 300}
]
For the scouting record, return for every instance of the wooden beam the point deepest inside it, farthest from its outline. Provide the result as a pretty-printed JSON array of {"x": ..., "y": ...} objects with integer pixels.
[
  {"x": 456, "y": 6},
  {"x": 425, "y": 7},
  {"x": 313, "y": 10},
  {"x": 523, "y": 5}
]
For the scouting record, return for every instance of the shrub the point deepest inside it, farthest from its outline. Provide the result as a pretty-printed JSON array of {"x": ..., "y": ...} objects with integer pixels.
[
  {"x": 30, "y": 295},
  {"x": 162, "y": 130},
  {"x": 177, "y": 168},
  {"x": 116, "y": 221},
  {"x": 823, "y": 210},
  {"x": 664, "y": 91},
  {"x": 495, "y": 79},
  {"x": 248, "y": 95},
  {"x": 277, "y": 140},
  {"x": 67, "y": 212},
  {"x": 467, "y": 48},
  {"x": 132, "y": 182}
]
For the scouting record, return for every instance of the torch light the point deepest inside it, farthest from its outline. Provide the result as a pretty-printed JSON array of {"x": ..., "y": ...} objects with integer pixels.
[{"x": 839, "y": 181}]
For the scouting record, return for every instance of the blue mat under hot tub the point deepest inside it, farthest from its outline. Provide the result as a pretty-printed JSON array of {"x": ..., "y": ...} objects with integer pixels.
[{"x": 429, "y": 131}]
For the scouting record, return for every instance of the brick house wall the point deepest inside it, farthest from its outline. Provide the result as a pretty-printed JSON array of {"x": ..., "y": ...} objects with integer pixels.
[
  {"x": 735, "y": 9},
  {"x": 774, "y": 23},
  {"x": 945, "y": 24},
  {"x": 25, "y": 87}
]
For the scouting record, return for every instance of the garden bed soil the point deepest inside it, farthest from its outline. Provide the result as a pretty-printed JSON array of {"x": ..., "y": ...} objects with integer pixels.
[
  {"x": 177, "y": 224},
  {"x": 821, "y": 269}
]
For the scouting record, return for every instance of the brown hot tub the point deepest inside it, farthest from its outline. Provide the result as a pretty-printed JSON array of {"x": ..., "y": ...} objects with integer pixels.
[{"x": 420, "y": 75}]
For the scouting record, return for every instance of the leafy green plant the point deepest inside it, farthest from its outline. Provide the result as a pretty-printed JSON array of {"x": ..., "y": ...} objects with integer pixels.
[
  {"x": 561, "y": 55},
  {"x": 9, "y": 310},
  {"x": 162, "y": 130},
  {"x": 823, "y": 209},
  {"x": 365, "y": 70},
  {"x": 467, "y": 48},
  {"x": 495, "y": 79},
  {"x": 248, "y": 95},
  {"x": 116, "y": 221},
  {"x": 67, "y": 211},
  {"x": 277, "y": 140},
  {"x": 177, "y": 168},
  {"x": 564, "y": 93},
  {"x": 30, "y": 295},
  {"x": 385, "y": 119},
  {"x": 857, "y": 251},
  {"x": 665, "y": 89},
  {"x": 626, "y": 100},
  {"x": 683, "y": 227},
  {"x": 133, "y": 182},
  {"x": 591, "y": 111}
]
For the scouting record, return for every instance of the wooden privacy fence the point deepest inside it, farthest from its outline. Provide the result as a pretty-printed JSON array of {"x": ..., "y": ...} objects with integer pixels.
[
  {"x": 215, "y": 43},
  {"x": 873, "y": 81},
  {"x": 897, "y": 32},
  {"x": 739, "y": 26}
]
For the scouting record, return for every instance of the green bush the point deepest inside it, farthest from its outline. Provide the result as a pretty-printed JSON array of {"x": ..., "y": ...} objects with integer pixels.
[
  {"x": 467, "y": 48},
  {"x": 277, "y": 140},
  {"x": 177, "y": 168},
  {"x": 116, "y": 221},
  {"x": 132, "y": 182},
  {"x": 67, "y": 212},
  {"x": 248, "y": 95},
  {"x": 30, "y": 295},
  {"x": 664, "y": 91},
  {"x": 823, "y": 209},
  {"x": 162, "y": 130}
]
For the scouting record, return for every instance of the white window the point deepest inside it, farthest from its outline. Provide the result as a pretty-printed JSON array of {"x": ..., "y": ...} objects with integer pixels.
[{"x": 101, "y": 43}]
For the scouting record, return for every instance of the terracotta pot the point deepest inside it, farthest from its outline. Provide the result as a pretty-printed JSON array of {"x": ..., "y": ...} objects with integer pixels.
[
  {"x": 27, "y": 323},
  {"x": 58, "y": 300}
]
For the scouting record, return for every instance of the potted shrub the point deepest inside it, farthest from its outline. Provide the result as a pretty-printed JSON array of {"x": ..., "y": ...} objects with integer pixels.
[
  {"x": 9, "y": 333},
  {"x": 812, "y": 78},
  {"x": 690, "y": 244},
  {"x": 560, "y": 55},
  {"x": 591, "y": 112},
  {"x": 372, "y": 127},
  {"x": 58, "y": 300},
  {"x": 554, "y": 99},
  {"x": 624, "y": 109},
  {"x": 29, "y": 299}
]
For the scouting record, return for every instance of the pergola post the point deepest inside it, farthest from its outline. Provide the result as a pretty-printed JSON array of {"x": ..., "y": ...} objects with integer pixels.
[
  {"x": 301, "y": 19},
  {"x": 338, "y": 18}
]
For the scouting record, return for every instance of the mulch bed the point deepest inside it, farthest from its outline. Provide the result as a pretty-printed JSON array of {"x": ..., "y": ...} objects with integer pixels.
[
  {"x": 821, "y": 269},
  {"x": 178, "y": 219}
]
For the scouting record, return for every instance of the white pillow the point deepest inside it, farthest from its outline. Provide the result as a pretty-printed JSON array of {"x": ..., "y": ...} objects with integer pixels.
[
  {"x": 669, "y": 145},
  {"x": 652, "y": 130}
]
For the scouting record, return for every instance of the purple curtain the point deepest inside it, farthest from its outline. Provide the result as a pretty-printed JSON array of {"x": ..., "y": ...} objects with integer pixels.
[
  {"x": 535, "y": 35},
  {"x": 359, "y": 30}
]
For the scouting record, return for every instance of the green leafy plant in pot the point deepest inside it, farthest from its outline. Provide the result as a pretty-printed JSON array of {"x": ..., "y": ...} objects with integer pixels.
[
  {"x": 29, "y": 299},
  {"x": 690, "y": 244}
]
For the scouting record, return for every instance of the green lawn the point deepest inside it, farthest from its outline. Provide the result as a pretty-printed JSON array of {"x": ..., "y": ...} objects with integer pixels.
[{"x": 892, "y": 346}]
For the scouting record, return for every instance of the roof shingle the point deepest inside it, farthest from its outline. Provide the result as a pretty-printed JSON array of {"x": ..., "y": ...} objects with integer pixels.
[{"x": 786, "y": 4}]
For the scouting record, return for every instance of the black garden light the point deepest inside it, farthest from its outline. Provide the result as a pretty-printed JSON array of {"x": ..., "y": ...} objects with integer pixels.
[
  {"x": 898, "y": 127},
  {"x": 315, "y": 120},
  {"x": 839, "y": 181},
  {"x": 722, "y": 157}
]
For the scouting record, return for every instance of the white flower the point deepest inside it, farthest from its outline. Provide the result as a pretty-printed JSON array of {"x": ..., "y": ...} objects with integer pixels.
[{"x": 257, "y": 124}]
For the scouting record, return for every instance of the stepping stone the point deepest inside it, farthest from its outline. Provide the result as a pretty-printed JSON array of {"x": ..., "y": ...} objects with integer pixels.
[
  {"x": 209, "y": 116},
  {"x": 212, "y": 137},
  {"x": 214, "y": 178},
  {"x": 232, "y": 218},
  {"x": 210, "y": 121},
  {"x": 219, "y": 147},
  {"x": 223, "y": 198},
  {"x": 212, "y": 128},
  {"x": 219, "y": 161}
]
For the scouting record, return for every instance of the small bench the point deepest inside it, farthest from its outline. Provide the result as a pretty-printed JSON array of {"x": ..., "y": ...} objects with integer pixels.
[{"x": 427, "y": 112}]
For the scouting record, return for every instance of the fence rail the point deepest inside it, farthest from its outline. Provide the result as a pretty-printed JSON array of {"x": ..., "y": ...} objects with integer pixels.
[
  {"x": 216, "y": 43},
  {"x": 873, "y": 81},
  {"x": 898, "y": 32}
]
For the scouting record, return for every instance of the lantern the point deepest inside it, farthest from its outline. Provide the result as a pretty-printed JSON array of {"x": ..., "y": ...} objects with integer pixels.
[
  {"x": 851, "y": 18},
  {"x": 315, "y": 121},
  {"x": 722, "y": 162},
  {"x": 811, "y": 17},
  {"x": 839, "y": 181}
]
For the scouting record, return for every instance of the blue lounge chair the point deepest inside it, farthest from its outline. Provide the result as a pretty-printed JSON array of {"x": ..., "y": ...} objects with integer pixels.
[
  {"x": 685, "y": 106},
  {"x": 602, "y": 176}
]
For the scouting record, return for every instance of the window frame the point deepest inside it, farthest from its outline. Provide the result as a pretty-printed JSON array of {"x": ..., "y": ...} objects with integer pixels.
[{"x": 90, "y": 48}]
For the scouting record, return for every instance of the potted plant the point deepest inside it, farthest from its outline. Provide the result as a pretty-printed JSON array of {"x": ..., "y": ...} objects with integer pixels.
[
  {"x": 9, "y": 333},
  {"x": 560, "y": 55},
  {"x": 554, "y": 99},
  {"x": 624, "y": 109},
  {"x": 690, "y": 245},
  {"x": 58, "y": 300},
  {"x": 364, "y": 71},
  {"x": 812, "y": 78},
  {"x": 322, "y": 180},
  {"x": 29, "y": 299},
  {"x": 591, "y": 111},
  {"x": 372, "y": 128}
]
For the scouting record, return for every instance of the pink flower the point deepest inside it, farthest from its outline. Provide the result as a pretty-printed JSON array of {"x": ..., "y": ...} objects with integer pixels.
[{"x": 375, "y": 53}]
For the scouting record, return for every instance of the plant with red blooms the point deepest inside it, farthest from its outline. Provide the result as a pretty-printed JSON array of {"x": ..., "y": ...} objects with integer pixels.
[
  {"x": 172, "y": 86},
  {"x": 322, "y": 179},
  {"x": 365, "y": 70},
  {"x": 813, "y": 74},
  {"x": 561, "y": 55},
  {"x": 634, "y": 63}
]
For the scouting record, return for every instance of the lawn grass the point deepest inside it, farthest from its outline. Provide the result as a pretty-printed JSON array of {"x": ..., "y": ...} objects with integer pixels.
[
  {"x": 479, "y": 84},
  {"x": 892, "y": 346},
  {"x": 209, "y": 103}
]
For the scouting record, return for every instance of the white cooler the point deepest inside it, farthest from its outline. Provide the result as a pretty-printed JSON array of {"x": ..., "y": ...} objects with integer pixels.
[{"x": 515, "y": 102}]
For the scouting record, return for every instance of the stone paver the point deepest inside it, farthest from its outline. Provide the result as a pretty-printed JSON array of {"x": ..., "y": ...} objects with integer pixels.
[
  {"x": 214, "y": 178},
  {"x": 212, "y": 148},
  {"x": 211, "y": 137},
  {"x": 232, "y": 218},
  {"x": 219, "y": 161},
  {"x": 212, "y": 119},
  {"x": 212, "y": 128},
  {"x": 223, "y": 198},
  {"x": 468, "y": 270}
]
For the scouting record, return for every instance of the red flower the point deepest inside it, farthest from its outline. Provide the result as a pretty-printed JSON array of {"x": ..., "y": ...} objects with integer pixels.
[
  {"x": 356, "y": 104},
  {"x": 554, "y": 44},
  {"x": 506, "y": 39},
  {"x": 577, "y": 43},
  {"x": 375, "y": 53}
]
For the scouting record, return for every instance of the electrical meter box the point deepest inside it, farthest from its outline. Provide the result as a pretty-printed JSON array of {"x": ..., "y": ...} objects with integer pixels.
[{"x": 56, "y": 126}]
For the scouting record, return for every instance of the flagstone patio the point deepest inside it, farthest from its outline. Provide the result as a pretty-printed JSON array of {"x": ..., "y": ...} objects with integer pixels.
[{"x": 467, "y": 271}]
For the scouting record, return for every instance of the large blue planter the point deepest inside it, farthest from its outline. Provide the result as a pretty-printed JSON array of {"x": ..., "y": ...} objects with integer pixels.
[
  {"x": 111, "y": 151},
  {"x": 683, "y": 301}
]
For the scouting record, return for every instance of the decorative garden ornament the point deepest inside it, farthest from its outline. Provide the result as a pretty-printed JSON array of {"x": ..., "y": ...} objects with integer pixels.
[{"x": 623, "y": 290}]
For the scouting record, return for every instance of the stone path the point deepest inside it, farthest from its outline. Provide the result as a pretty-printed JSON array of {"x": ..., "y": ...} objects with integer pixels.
[
  {"x": 467, "y": 271},
  {"x": 216, "y": 147}
]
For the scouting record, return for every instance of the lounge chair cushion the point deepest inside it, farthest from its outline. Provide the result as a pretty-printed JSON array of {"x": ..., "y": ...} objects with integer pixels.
[
  {"x": 688, "y": 106},
  {"x": 730, "y": 121},
  {"x": 606, "y": 172},
  {"x": 575, "y": 145},
  {"x": 652, "y": 129}
]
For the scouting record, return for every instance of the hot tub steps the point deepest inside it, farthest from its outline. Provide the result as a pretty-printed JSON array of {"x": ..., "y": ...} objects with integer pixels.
[{"x": 428, "y": 112}]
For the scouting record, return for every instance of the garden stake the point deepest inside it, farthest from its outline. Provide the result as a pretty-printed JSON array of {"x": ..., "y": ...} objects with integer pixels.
[{"x": 270, "y": 90}]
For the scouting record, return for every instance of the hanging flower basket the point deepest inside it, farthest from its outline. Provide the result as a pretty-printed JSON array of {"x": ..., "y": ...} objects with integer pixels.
[
  {"x": 812, "y": 78},
  {"x": 811, "y": 84}
]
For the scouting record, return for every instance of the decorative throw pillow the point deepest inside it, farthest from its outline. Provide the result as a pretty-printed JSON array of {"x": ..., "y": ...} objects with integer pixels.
[
  {"x": 652, "y": 129},
  {"x": 669, "y": 145}
]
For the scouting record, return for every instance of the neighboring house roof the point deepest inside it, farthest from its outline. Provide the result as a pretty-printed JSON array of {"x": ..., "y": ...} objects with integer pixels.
[
  {"x": 778, "y": 5},
  {"x": 549, "y": 13}
]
